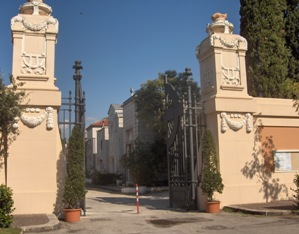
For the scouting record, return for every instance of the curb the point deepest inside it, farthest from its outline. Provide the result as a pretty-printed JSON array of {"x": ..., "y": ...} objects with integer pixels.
[
  {"x": 53, "y": 224},
  {"x": 260, "y": 212}
]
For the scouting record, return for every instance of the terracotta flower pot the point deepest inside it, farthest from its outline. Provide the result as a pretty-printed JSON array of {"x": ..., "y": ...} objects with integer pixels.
[
  {"x": 213, "y": 207},
  {"x": 72, "y": 215}
]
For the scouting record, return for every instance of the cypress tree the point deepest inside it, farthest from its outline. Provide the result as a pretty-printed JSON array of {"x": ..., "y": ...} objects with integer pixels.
[
  {"x": 74, "y": 189},
  {"x": 292, "y": 38},
  {"x": 263, "y": 25},
  {"x": 211, "y": 177}
]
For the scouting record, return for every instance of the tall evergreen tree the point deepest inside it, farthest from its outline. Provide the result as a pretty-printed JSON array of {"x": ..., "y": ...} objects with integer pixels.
[
  {"x": 263, "y": 24},
  {"x": 292, "y": 37},
  {"x": 74, "y": 189}
]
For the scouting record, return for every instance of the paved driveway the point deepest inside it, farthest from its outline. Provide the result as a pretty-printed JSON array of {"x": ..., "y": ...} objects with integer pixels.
[{"x": 116, "y": 213}]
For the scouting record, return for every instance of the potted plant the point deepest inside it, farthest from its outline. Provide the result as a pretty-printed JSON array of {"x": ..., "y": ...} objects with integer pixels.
[
  {"x": 74, "y": 189},
  {"x": 211, "y": 178}
]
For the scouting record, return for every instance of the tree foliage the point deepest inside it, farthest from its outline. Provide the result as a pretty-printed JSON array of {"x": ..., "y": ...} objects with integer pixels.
[
  {"x": 150, "y": 99},
  {"x": 292, "y": 37},
  {"x": 147, "y": 162},
  {"x": 11, "y": 98},
  {"x": 266, "y": 24},
  {"x": 74, "y": 189},
  {"x": 150, "y": 160},
  {"x": 211, "y": 178},
  {"x": 6, "y": 206}
]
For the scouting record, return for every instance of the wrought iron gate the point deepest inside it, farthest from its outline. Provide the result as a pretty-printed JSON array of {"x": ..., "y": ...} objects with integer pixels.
[{"x": 185, "y": 124}]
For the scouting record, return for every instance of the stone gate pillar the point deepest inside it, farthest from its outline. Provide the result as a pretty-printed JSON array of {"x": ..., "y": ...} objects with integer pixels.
[
  {"x": 227, "y": 105},
  {"x": 34, "y": 158}
]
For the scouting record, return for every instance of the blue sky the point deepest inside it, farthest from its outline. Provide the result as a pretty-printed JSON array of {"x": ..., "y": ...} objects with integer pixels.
[{"x": 121, "y": 43}]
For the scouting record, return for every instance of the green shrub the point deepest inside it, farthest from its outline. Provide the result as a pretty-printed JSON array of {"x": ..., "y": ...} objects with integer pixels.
[
  {"x": 296, "y": 195},
  {"x": 141, "y": 163},
  {"x": 6, "y": 206},
  {"x": 99, "y": 178}
]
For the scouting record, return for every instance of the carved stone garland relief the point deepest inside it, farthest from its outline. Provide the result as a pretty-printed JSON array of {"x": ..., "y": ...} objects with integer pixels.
[
  {"x": 34, "y": 121},
  {"x": 226, "y": 122},
  {"x": 229, "y": 44},
  {"x": 34, "y": 27}
]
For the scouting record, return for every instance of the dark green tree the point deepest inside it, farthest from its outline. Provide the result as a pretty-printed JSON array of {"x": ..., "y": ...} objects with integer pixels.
[
  {"x": 150, "y": 99},
  {"x": 150, "y": 105},
  {"x": 147, "y": 162},
  {"x": 292, "y": 37},
  {"x": 211, "y": 181},
  {"x": 74, "y": 189},
  {"x": 263, "y": 24},
  {"x": 11, "y": 98},
  {"x": 140, "y": 162}
]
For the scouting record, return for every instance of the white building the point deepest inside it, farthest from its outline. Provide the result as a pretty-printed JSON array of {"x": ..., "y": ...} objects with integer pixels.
[
  {"x": 91, "y": 144},
  {"x": 102, "y": 160},
  {"x": 115, "y": 117}
]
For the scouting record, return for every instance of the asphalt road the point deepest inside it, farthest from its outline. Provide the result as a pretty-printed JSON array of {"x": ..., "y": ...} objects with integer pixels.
[{"x": 117, "y": 213}]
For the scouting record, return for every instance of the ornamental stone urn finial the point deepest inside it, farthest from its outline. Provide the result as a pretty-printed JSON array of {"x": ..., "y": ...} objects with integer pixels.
[
  {"x": 218, "y": 16},
  {"x": 35, "y": 7},
  {"x": 220, "y": 24}
]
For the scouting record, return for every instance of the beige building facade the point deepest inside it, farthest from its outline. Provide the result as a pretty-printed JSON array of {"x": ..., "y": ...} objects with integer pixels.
[
  {"x": 256, "y": 138},
  {"x": 115, "y": 117},
  {"x": 91, "y": 144},
  {"x": 102, "y": 162},
  {"x": 35, "y": 158},
  {"x": 96, "y": 146}
]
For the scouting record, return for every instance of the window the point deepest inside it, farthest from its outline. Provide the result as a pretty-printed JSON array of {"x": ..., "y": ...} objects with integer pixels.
[{"x": 286, "y": 160}]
